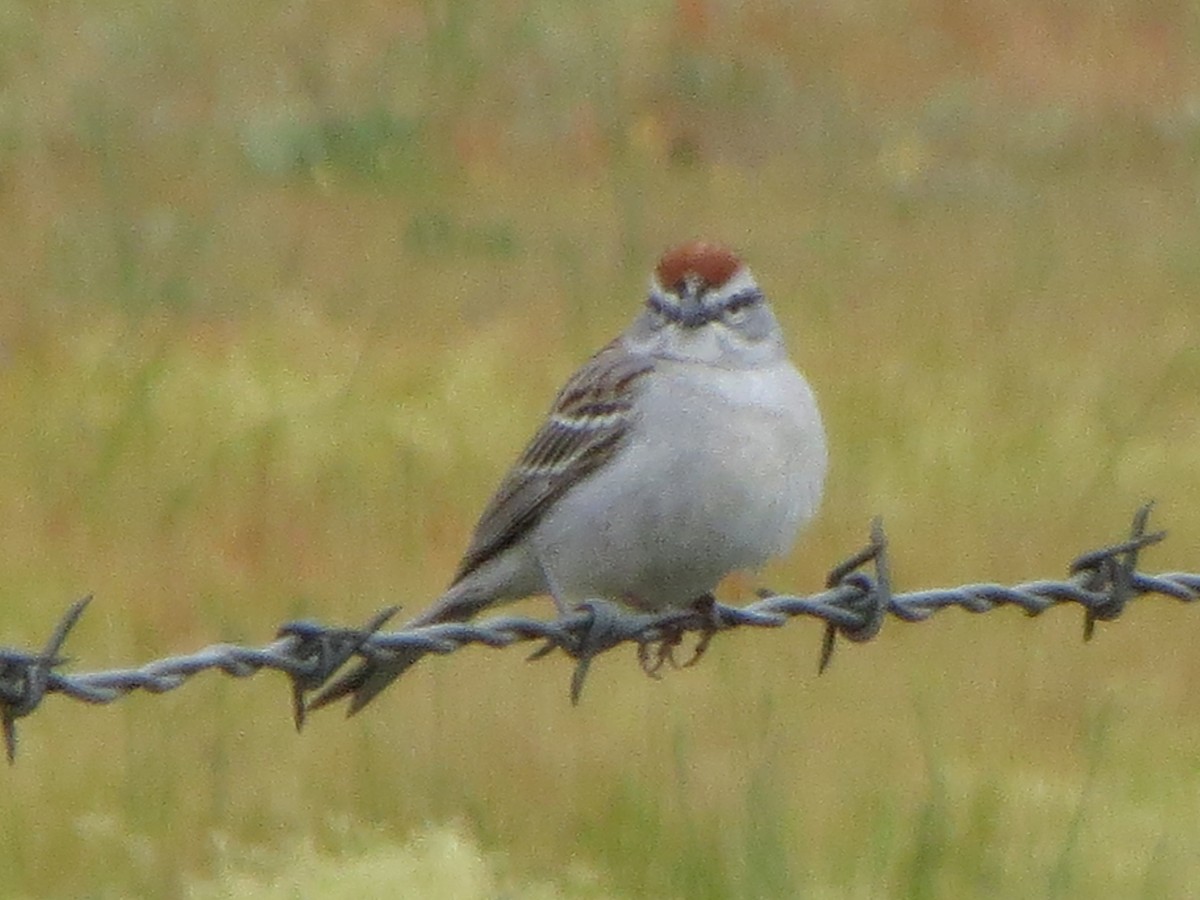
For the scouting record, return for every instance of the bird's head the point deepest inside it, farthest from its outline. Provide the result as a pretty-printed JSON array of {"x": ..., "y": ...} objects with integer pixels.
[{"x": 704, "y": 305}]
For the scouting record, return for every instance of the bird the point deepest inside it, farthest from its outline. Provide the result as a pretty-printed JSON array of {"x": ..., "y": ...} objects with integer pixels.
[{"x": 687, "y": 448}]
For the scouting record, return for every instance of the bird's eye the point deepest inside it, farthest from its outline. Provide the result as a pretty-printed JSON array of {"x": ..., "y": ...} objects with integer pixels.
[
  {"x": 656, "y": 312},
  {"x": 737, "y": 308},
  {"x": 658, "y": 318},
  {"x": 736, "y": 315},
  {"x": 737, "y": 312}
]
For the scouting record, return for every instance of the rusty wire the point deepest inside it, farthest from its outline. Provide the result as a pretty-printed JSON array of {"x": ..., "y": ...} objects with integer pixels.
[{"x": 853, "y": 605}]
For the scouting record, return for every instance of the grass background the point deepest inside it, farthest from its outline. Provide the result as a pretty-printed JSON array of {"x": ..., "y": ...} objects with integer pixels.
[{"x": 286, "y": 285}]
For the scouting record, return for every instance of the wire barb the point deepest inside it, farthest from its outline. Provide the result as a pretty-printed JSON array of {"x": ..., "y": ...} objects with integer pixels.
[
  {"x": 1110, "y": 570},
  {"x": 25, "y": 677},
  {"x": 875, "y": 595},
  {"x": 325, "y": 650},
  {"x": 853, "y": 605}
]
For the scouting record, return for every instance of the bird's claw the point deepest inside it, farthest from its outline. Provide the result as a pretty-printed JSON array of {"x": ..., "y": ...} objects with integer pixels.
[
  {"x": 706, "y": 605},
  {"x": 653, "y": 655}
]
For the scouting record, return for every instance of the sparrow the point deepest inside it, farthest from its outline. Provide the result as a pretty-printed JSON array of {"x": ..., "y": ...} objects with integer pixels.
[{"x": 687, "y": 448}]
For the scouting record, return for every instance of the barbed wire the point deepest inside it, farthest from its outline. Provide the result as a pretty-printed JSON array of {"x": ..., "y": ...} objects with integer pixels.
[{"x": 853, "y": 606}]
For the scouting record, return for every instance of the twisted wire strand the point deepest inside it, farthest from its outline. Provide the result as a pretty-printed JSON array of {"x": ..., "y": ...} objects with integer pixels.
[{"x": 853, "y": 606}]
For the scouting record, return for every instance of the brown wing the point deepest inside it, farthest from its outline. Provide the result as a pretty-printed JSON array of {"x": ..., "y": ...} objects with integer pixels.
[{"x": 584, "y": 428}]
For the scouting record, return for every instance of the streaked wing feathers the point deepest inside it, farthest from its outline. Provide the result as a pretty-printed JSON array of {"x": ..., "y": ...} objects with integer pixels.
[{"x": 585, "y": 426}]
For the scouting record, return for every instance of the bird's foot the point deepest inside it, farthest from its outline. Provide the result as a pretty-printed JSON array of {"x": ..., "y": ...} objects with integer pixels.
[
  {"x": 653, "y": 655},
  {"x": 706, "y": 606}
]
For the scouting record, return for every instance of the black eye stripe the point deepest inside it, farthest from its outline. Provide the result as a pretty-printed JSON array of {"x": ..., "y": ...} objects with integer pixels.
[
  {"x": 663, "y": 308},
  {"x": 742, "y": 300},
  {"x": 698, "y": 316}
]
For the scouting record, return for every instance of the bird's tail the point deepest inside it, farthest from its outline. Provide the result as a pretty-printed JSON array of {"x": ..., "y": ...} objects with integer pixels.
[{"x": 371, "y": 676}]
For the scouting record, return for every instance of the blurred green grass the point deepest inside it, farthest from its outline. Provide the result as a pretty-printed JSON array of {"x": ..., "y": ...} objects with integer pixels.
[{"x": 286, "y": 286}]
